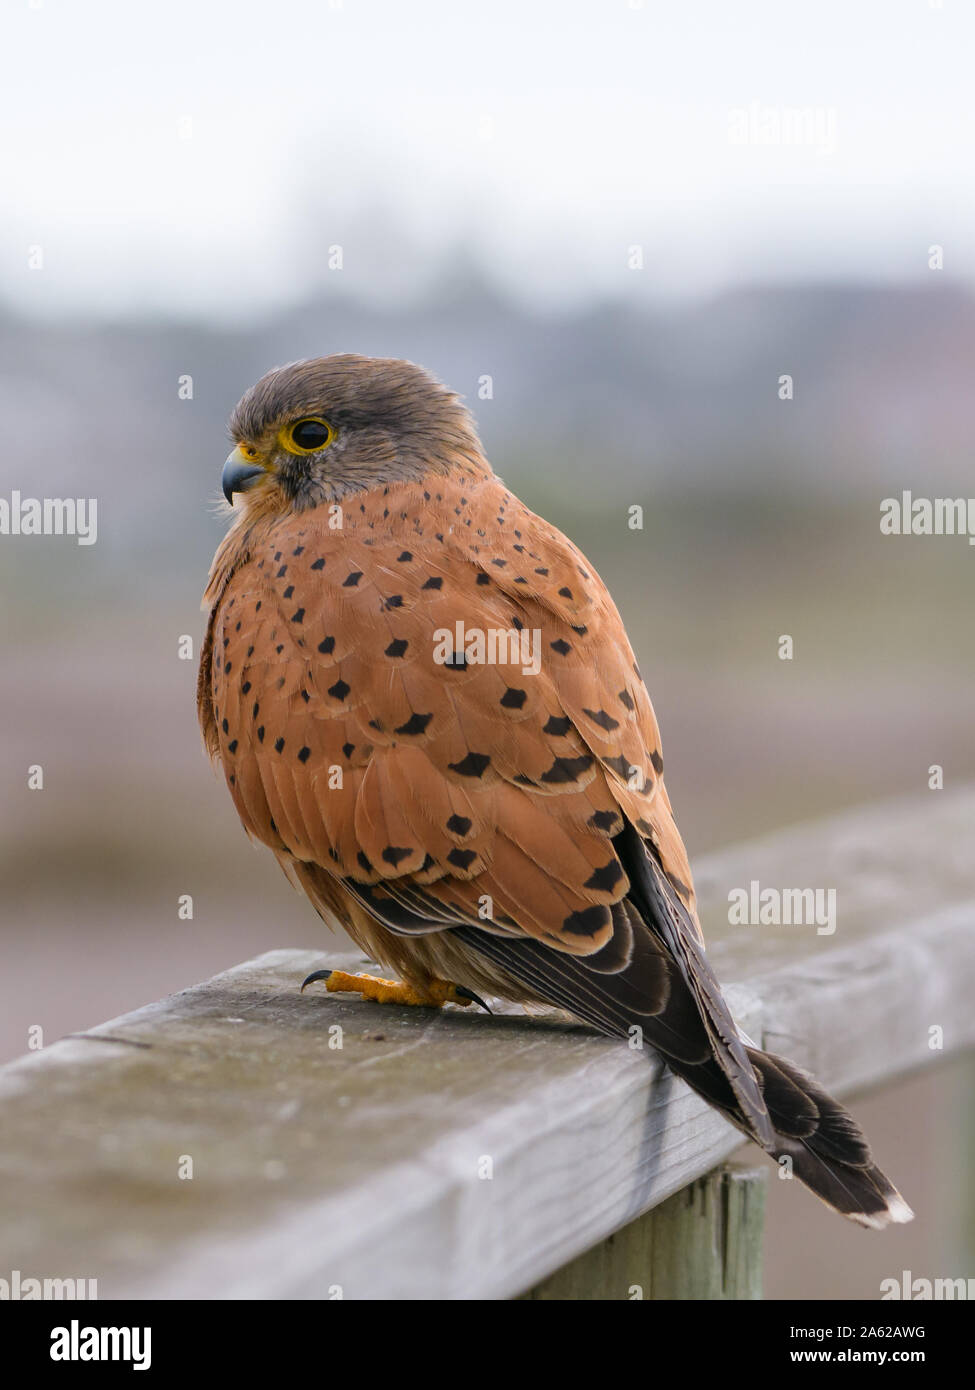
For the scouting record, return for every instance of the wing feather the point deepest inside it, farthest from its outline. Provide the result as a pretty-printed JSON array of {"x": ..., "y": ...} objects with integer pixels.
[{"x": 518, "y": 802}]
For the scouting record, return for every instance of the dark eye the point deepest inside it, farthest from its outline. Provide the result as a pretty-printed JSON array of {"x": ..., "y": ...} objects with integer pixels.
[{"x": 307, "y": 436}]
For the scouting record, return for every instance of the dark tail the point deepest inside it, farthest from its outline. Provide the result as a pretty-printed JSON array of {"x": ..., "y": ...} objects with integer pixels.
[
  {"x": 796, "y": 1120},
  {"x": 824, "y": 1146},
  {"x": 654, "y": 974}
]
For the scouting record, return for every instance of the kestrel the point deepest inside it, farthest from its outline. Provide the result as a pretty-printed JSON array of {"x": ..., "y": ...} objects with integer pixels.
[{"x": 425, "y": 704}]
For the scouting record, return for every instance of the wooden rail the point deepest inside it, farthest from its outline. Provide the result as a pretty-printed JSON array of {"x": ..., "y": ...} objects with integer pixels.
[{"x": 240, "y": 1139}]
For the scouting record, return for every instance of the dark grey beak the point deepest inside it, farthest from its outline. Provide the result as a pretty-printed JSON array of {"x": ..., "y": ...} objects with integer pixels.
[{"x": 237, "y": 475}]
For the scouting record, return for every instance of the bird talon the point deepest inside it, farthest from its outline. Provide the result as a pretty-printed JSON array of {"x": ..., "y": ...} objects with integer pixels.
[
  {"x": 313, "y": 977},
  {"x": 435, "y": 995},
  {"x": 465, "y": 996}
]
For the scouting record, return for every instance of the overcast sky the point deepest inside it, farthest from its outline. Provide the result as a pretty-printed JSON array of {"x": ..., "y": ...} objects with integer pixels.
[{"x": 202, "y": 157}]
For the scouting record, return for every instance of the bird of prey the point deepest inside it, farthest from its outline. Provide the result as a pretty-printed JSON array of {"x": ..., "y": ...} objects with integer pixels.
[{"x": 425, "y": 704}]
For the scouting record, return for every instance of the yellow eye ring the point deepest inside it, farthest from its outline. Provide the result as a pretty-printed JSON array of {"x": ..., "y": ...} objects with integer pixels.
[{"x": 308, "y": 435}]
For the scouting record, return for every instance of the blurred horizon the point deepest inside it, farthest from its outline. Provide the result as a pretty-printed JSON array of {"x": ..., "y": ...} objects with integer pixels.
[{"x": 211, "y": 156}]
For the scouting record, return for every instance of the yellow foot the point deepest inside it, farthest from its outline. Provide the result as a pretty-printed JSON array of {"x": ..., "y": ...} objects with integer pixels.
[{"x": 436, "y": 994}]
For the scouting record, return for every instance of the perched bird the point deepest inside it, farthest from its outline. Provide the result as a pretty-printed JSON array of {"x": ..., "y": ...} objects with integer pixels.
[{"x": 424, "y": 702}]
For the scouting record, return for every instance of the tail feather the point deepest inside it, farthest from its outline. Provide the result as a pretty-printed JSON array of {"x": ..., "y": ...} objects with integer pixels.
[
  {"x": 795, "y": 1119},
  {"x": 662, "y": 983},
  {"x": 824, "y": 1144}
]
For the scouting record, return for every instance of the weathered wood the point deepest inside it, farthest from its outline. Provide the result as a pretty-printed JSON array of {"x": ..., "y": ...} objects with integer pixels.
[
  {"x": 447, "y": 1156},
  {"x": 859, "y": 1007},
  {"x": 704, "y": 1242},
  {"x": 455, "y": 1155}
]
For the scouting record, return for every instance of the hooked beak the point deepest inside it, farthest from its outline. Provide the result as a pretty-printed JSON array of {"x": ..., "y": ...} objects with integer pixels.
[{"x": 238, "y": 474}]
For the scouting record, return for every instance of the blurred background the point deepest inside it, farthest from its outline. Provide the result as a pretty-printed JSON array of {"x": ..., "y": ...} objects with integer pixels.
[{"x": 634, "y": 219}]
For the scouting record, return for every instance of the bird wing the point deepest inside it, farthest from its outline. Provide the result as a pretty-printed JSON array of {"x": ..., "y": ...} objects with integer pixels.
[{"x": 513, "y": 792}]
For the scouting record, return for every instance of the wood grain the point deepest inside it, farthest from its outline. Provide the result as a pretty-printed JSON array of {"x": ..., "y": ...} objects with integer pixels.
[{"x": 457, "y": 1155}]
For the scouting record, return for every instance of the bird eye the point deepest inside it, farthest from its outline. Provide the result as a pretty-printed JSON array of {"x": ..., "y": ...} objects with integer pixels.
[{"x": 307, "y": 436}]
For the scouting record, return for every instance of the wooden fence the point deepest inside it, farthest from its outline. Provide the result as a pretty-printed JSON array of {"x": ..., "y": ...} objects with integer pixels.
[{"x": 243, "y": 1140}]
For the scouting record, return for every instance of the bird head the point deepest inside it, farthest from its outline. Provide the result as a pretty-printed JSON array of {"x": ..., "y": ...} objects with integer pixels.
[{"x": 318, "y": 430}]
